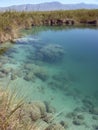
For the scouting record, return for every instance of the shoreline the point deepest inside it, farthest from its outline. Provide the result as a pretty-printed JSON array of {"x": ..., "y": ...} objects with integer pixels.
[
  {"x": 11, "y": 21},
  {"x": 10, "y": 37}
]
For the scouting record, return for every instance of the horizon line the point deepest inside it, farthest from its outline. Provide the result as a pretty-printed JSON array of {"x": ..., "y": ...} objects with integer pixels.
[{"x": 50, "y": 2}]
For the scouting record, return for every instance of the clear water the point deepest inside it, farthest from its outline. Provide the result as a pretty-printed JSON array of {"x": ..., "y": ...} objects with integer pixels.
[{"x": 63, "y": 80}]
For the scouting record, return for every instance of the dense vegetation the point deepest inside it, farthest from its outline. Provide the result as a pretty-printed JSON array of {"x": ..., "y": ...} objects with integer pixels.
[{"x": 12, "y": 21}]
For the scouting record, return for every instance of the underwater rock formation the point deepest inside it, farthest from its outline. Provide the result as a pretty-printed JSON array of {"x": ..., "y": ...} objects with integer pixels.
[
  {"x": 6, "y": 70},
  {"x": 2, "y": 75},
  {"x": 64, "y": 124},
  {"x": 55, "y": 127},
  {"x": 94, "y": 111},
  {"x": 89, "y": 105},
  {"x": 34, "y": 71},
  {"x": 95, "y": 127},
  {"x": 95, "y": 117},
  {"x": 77, "y": 121},
  {"x": 37, "y": 111},
  {"x": 41, "y": 74},
  {"x": 29, "y": 76},
  {"x": 51, "y": 53}
]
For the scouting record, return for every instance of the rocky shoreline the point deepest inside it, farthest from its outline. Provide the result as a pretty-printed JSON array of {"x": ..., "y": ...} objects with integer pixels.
[
  {"x": 71, "y": 22},
  {"x": 14, "y": 33}
]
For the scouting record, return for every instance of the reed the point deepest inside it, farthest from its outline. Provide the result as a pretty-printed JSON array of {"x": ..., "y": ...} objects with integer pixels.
[{"x": 11, "y": 21}]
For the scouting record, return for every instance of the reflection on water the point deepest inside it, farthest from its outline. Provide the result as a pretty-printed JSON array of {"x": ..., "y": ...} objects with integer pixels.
[{"x": 56, "y": 65}]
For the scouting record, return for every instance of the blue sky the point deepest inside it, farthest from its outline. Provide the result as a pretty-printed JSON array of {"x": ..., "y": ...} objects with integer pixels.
[{"x": 17, "y": 2}]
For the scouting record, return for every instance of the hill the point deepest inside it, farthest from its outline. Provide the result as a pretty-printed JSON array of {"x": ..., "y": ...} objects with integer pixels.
[{"x": 49, "y": 6}]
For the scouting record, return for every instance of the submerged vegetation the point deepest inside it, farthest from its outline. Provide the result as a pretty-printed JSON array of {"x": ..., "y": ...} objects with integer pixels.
[{"x": 12, "y": 21}]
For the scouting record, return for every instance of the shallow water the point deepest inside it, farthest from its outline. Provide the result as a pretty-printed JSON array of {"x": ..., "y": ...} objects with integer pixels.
[{"x": 64, "y": 76}]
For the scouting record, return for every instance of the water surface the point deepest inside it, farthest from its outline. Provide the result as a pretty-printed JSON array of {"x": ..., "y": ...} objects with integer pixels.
[{"x": 64, "y": 76}]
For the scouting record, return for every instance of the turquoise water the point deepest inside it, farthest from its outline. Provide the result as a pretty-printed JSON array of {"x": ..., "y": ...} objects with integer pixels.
[
  {"x": 58, "y": 65},
  {"x": 81, "y": 51}
]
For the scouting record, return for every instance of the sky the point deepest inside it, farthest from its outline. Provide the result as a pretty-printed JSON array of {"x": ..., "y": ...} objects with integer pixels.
[{"x": 18, "y": 2}]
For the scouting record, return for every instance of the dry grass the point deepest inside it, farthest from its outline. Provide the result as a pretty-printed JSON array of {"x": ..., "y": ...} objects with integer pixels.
[
  {"x": 9, "y": 106},
  {"x": 12, "y": 21}
]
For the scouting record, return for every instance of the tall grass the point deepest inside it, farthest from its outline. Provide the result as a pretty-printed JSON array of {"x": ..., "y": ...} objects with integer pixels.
[
  {"x": 12, "y": 21},
  {"x": 9, "y": 105}
]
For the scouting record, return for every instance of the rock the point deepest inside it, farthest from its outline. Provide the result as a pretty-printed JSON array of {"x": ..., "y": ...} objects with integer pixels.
[
  {"x": 31, "y": 111},
  {"x": 64, "y": 124},
  {"x": 30, "y": 76},
  {"x": 41, "y": 106},
  {"x": 36, "y": 110},
  {"x": 4, "y": 61},
  {"x": 71, "y": 115},
  {"x": 6, "y": 70},
  {"x": 49, "y": 108},
  {"x": 39, "y": 125},
  {"x": 35, "y": 71},
  {"x": 94, "y": 111},
  {"x": 48, "y": 117},
  {"x": 55, "y": 127},
  {"x": 80, "y": 116},
  {"x": 35, "y": 113},
  {"x": 95, "y": 127},
  {"x": 78, "y": 122},
  {"x": 61, "y": 77},
  {"x": 13, "y": 76},
  {"x": 41, "y": 74},
  {"x": 95, "y": 117},
  {"x": 28, "y": 66},
  {"x": 88, "y": 104},
  {"x": 51, "y": 52},
  {"x": 92, "y": 22},
  {"x": 3, "y": 50},
  {"x": 2, "y": 75},
  {"x": 27, "y": 78},
  {"x": 19, "y": 74},
  {"x": 55, "y": 85},
  {"x": 70, "y": 21}
]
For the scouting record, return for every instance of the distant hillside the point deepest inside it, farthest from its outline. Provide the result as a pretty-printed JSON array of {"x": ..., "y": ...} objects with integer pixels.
[{"x": 49, "y": 6}]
